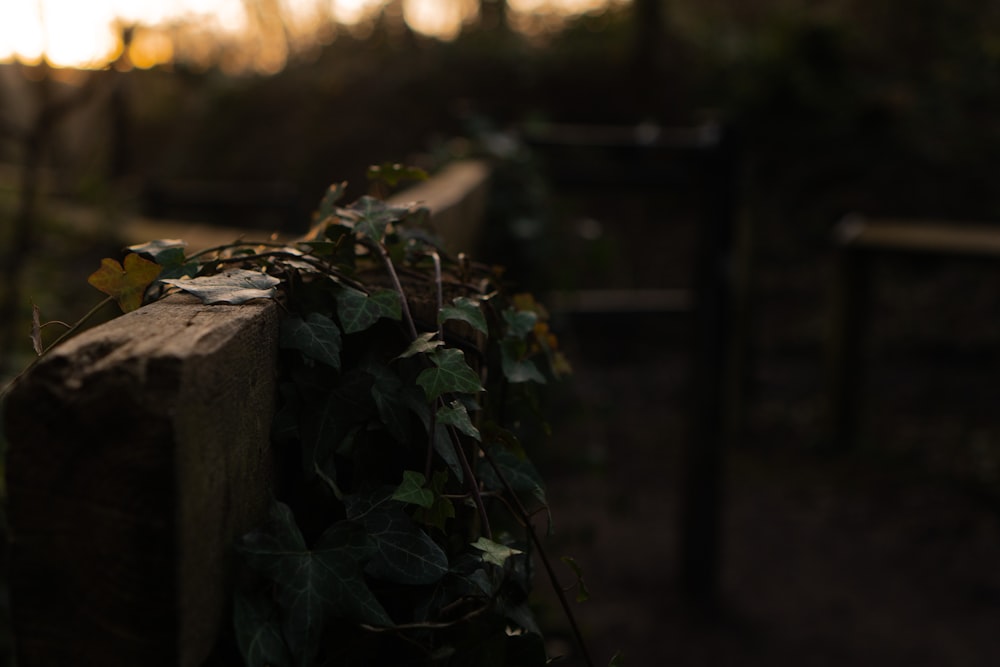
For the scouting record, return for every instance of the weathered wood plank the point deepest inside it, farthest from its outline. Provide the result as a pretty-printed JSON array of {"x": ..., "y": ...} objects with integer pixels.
[
  {"x": 457, "y": 198},
  {"x": 928, "y": 236},
  {"x": 139, "y": 450}
]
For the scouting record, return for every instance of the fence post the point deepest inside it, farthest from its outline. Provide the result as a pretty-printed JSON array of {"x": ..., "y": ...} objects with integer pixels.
[
  {"x": 138, "y": 451},
  {"x": 702, "y": 464}
]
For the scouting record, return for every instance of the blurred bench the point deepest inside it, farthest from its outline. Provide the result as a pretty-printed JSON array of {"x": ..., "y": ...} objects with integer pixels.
[{"x": 860, "y": 243}]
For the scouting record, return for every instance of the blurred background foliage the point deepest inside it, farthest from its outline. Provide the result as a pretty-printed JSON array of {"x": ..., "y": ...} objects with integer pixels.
[{"x": 889, "y": 108}]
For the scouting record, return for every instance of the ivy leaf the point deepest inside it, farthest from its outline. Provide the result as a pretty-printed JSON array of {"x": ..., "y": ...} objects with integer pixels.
[
  {"x": 317, "y": 337},
  {"x": 411, "y": 490},
  {"x": 466, "y": 310},
  {"x": 441, "y": 508},
  {"x": 234, "y": 286},
  {"x": 455, "y": 414},
  {"x": 388, "y": 393},
  {"x": 125, "y": 284},
  {"x": 618, "y": 660},
  {"x": 467, "y": 578},
  {"x": 494, "y": 552},
  {"x": 168, "y": 253},
  {"x": 392, "y": 173},
  {"x": 517, "y": 368},
  {"x": 446, "y": 450},
  {"x": 358, "y": 311},
  {"x": 441, "y": 439},
  {"x": 423, "y": 344},
  {"x": 371, "y": 216},
  {"x": 520, "y": 323},
  {"x": 519, "y": 472},
  {"x": 582, "y": 594},
  {"x": 328, "y": 205},
  {"x": 404, "y": 553},
  {"x": 329, "y": 419},
  {"x": 258, "y": 632},
  {"x": 522, "y": 616},
  {"x": 450, "y": 374},
  {"x": 312, "y": 586}
]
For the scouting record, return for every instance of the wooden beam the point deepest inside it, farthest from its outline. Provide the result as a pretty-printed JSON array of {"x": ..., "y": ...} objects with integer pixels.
[{"x": 139, "y": 450}]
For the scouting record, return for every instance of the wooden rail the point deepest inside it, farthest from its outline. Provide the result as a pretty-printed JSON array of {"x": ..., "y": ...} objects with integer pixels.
[
  {"x": 861, "y": 242},
  {"x": 138, "y": 451}
]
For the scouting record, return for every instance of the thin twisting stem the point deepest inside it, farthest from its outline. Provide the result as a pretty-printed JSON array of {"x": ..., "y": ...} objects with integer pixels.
[
  {"x": 440, "y": 290},
  {"x": 471, "y": 483},
  {"x": 399, "y": 288},
  {"x": 546, "y": 563},
  {"x": 63, "y": 336}
]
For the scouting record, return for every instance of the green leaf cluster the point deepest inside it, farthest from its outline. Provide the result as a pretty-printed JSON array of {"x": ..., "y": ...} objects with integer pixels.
[{"x": 394, "y": 432}]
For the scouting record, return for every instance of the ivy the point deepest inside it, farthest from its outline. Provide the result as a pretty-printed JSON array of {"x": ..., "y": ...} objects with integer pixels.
[
  {"x": 392, "y": 426},
  {"x": 450, "y": 374}
]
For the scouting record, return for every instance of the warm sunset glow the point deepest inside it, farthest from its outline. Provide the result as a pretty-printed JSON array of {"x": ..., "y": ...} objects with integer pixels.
[
  {"x": 236, "y": 34},
  {"x": 440, "y": 18}
]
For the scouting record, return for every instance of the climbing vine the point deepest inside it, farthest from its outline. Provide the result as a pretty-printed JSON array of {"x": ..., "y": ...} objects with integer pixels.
[{"x": 405, "y": 525}]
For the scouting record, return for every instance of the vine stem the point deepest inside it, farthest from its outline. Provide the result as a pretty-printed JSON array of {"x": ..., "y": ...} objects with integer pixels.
[
  {"x": 62, "y": 337},
  {"x": 470, "y": 477},
  {"x": 399, "y": 288},
  {"x": 440, "y": 290},
  {"x": 322, "y": 266},
  {"x": 546, "y": 563},
  {"x": 470, "y": 482}
]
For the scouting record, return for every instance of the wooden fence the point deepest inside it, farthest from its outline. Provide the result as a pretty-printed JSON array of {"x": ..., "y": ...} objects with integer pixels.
[{"x": 139, "y": 450}]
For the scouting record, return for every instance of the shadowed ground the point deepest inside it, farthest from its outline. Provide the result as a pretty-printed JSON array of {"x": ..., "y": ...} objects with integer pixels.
[{"x": 886, "y": 556}]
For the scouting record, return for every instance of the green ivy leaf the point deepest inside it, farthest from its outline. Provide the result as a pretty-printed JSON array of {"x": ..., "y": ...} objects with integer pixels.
[
  {"x": 522, "y": 616},
  {"x": 388, "y": 392},
  {"x": 618, "y": 660},
  {"x": 494, "y": 552},
  {"x": 520, "y": 323},
  {"x": 516, "y": 368},
  {"x": 371, "y": 216},
  {"x": 328, "y": 205},
  {"x": 467, "y": 578},
  {"x": 466, "y": 310},
  {"x": 391, "y": 173},
  {"x": 519, "y": 473},
  {"x": 233, "y": 286},
  {"x": 314, "y": 585},
  {"x": 168, "y": 253},
  {"x": 329, "y": 419},
  {"x": 455, "y": 414},
  {"x": 358, "y": 311},
  {"x": 411, "y": 490},
  {"x": 449, "y": 375},
  {"x": 258, "y": 632},
  {"x": 404, "y": 553},
  {"x": 442, "y": 508},
  {"x": 423, "y": 344},
  {"x": 317, "y": 337}
]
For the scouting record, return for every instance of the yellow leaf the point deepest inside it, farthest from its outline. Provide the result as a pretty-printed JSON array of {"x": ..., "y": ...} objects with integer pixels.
[{"x": 127, "y": 284}]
